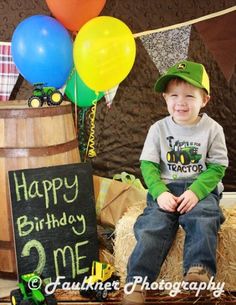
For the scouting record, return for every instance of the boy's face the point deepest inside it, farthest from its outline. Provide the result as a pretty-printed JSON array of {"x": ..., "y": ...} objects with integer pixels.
[{"x": 184, "y": 102}]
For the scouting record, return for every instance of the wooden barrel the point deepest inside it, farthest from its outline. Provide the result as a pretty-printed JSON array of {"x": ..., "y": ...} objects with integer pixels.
[{"x": 30, "y": 138}]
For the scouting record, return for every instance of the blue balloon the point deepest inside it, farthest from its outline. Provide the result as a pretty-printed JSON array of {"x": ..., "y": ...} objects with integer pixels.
[{"x": 43, "y": 51}]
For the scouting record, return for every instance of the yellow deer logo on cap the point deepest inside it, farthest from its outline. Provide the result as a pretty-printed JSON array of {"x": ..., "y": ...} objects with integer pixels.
[{"x": 181, "y": 66}]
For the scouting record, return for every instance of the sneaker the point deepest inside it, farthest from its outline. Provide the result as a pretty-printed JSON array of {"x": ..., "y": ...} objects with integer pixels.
[
  {"x": 137, "y": 297},
  {"x": 197, "y": 274}
]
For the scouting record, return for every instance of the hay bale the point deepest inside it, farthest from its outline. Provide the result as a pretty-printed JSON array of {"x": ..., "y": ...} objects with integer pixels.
[
  {"x": 124, "y": 239},
  {"x": 172, "y": 268},
  {"x": 106, "y": 256},
  {"x": 226, "y": 251}
]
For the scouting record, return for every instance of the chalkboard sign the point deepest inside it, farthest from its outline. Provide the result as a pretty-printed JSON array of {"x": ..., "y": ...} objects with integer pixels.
[{"x": 54, "y": 220}]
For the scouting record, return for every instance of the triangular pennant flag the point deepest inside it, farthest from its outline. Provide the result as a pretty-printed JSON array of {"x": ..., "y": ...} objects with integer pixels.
[
  {"x": 8, "y": 71},
  {"x": 219, "y": 36},
  {"x": 109, "y": 95},
  {"x": 167, "y": 48}
]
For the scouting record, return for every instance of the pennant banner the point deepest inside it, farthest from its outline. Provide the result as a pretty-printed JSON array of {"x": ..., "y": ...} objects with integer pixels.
[
  {"x": 167, "y": 48},
  {"x": 110, "y": 94},
  {"x": 168, "y": 45},
  {"x": 8, "y": 71}
]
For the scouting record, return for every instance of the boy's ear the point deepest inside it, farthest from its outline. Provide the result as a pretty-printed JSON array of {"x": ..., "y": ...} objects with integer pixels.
[
  {"x": 205, "y": 100},
  {"x": 164, "y": 95}
]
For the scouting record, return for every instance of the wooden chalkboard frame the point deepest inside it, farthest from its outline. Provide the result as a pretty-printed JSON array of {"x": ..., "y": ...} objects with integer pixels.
[{"x": 54, "y": 220}]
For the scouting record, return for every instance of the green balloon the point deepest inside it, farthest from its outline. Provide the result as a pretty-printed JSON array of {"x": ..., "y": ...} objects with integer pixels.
[{"x": 79, "y": 93}]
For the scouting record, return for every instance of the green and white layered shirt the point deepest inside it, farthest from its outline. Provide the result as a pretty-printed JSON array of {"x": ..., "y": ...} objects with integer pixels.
[{"x": 196, "y": 153}]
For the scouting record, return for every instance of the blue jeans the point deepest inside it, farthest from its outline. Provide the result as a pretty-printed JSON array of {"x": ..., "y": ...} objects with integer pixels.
[{"x": 155, "y": 231}]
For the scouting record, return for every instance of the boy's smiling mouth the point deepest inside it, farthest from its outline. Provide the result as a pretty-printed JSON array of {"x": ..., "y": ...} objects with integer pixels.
[{"x": 181, "y": 110}]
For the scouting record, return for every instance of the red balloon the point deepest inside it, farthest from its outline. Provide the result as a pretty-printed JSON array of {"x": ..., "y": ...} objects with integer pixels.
[{"x": 75, "y": 13}]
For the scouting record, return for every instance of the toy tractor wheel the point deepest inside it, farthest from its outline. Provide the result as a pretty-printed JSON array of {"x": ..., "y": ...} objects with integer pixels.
[
  {"x": 184, "y": 158},
  {"x": 114, "y": 278},
  {"x": 101, "y": 295},
  {"x": 55, "y": 98},
  {"x": 16, "y": 297},
  {"x": 35, "y": 102}
]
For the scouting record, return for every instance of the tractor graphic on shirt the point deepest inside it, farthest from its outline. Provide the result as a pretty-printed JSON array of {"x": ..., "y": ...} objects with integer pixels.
[{"x": 182, "y": 152}]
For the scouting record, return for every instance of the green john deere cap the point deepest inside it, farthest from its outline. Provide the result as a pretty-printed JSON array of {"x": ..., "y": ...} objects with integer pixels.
[{"x": 192, "y": 72}]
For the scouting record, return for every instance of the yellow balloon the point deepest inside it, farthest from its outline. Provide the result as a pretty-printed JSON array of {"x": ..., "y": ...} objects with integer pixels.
[{"x": 104, "y": 52}]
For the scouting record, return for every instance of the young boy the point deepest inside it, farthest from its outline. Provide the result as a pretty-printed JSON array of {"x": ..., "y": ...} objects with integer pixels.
[{"x": 183, "y": 161}]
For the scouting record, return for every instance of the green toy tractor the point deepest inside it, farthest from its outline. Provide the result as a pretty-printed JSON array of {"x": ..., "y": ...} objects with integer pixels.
[
  {"x": 42, "y": 94},
  {"x": 183, "y": 154},
  {"x": 31, "y": 292}
]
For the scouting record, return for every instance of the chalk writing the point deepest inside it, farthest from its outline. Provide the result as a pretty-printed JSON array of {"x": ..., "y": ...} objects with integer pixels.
[
  {"x": 41, "y": 253},
  {"x": 26, "y": 191},
  {"x": 70, "y": 254},
  {"x": 54, "y": 220},
  {"x": 26, "y": 226}
]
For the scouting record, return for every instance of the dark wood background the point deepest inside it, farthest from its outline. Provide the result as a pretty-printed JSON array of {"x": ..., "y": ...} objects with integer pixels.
[{"x": 121, "y": 130}]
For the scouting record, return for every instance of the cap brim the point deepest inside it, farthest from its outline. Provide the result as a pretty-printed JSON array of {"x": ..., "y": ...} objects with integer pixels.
[{"x": 161, "y": 83}]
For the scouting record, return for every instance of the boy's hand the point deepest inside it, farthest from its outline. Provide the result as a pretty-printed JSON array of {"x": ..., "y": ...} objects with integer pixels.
[
  {"x": 167, "y": 202},
  {"x": 187, "y": 201}
]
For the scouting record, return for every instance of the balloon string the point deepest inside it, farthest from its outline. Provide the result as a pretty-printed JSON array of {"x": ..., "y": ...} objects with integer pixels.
[
  {"x": 90, "y": 152},
  {"x": 76, "y": 101},
  {"x": 82, "y": 144},
  {"x": 76, "y": 120}
]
